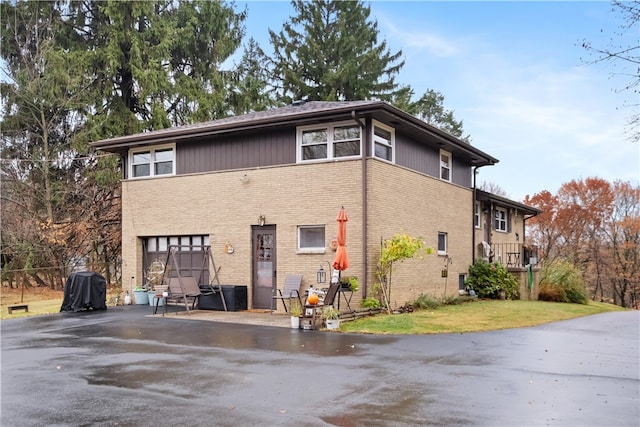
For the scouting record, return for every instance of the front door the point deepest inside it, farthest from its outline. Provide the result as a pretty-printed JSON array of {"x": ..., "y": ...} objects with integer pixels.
[{"x": 264, "y": 265}]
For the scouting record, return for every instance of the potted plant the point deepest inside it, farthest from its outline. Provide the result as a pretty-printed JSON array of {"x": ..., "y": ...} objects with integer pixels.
[
  {"x": 296, "y": 311},
  {"x": 140, "y": 296},
  {"x": 332, "y": 317},
  {"x": 354, "y": 285},
  {"x": 155, "y": 277}
]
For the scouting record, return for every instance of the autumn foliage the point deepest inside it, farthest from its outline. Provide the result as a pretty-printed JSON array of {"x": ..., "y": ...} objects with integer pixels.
[{"x": 594, "y": 225}]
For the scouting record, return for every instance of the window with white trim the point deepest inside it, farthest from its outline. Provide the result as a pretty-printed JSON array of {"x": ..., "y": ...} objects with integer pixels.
[
  {"x": 442, "y": 243},
  {"x": 476, "y": 215},
  {"x": 326, "y": 142},
  {"x": 445, "y": 165},
  {"x": 311, "y": 238},
  {"x": 383, "y": 141},
  {"x": 152, "y": 162},
  {"x": 500, "y": 220}
]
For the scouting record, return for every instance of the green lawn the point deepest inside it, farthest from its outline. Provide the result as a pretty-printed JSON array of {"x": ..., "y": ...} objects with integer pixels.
[{"x": 481, "y": 315}]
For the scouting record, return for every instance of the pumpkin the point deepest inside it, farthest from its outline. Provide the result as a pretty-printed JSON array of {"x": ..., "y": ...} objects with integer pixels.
[{"x": 313, "y": 299}]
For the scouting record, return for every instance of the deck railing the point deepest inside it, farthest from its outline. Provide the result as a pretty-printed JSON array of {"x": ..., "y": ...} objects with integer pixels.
[{"x": 510, "y": 254}]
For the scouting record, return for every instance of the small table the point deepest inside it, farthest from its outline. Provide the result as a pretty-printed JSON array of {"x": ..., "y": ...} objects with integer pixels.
[
  {"x": 347, "y": 294},
  {"x": 312, "y": 317},
  {"x": 160, "y": 297},
  {"x": 513, "y": 258}
]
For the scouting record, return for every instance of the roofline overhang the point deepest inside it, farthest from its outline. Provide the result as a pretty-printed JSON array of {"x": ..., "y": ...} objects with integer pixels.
[
  {"x": 503, "y": 201},
  {"x": 215, "y": 127}
]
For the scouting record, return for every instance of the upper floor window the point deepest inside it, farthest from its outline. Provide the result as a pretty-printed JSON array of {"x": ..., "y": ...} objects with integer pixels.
[
  {"x": 445, "y": 165},
  {"x": 329, "y": 142},
  {"x": 500, "y": 220},
  {"x": 383, "y": 141},
  {"x": 476, "y": 215},
  {"x": 152, "y": 162}
]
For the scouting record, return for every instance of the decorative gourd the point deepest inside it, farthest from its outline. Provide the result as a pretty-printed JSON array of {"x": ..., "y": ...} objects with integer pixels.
[{"x": 313, "y": 299}]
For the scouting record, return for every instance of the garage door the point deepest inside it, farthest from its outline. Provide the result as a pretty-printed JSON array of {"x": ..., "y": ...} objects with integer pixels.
[{"x": 190, "y": 255}]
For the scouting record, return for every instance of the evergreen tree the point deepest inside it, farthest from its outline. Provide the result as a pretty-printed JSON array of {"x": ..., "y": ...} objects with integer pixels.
[
  {"x": 330, "y": 51},
  {"x": 76, "y": 72},
  {"x": 430, "y": 108},
  {"x": 249, "y": 90},
  {"x": 157, "y": 63}
]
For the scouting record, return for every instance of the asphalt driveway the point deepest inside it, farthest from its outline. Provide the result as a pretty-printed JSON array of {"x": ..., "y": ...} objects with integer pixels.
[{"x": 123, "y": 368}]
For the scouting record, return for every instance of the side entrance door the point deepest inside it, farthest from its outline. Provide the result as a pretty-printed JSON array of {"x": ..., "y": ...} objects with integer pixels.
[{"x": 264, "y": 265}]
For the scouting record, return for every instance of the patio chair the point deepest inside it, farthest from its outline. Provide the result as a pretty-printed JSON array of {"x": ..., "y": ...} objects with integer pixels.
[
  {"x": 183, "y": 290},
  {"x": 330, "y": 296},
  {"x": 291, "y": 290}
]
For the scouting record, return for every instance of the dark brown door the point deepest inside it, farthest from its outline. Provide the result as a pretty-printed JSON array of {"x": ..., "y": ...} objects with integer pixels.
[{"x": 264, "y": 265}]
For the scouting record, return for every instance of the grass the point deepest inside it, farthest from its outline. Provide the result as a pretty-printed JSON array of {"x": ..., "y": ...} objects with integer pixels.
[
  {"x": 481, "y": 315},
  {"x": 40, "y": 300}
]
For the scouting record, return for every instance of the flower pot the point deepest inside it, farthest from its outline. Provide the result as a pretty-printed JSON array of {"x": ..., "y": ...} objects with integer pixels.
[
  {"x": 295, "y": 322},
  {"x": 153, "y": 299},
  {"x": 140, "y": 297},
  {"x": 333, "y": 324}
]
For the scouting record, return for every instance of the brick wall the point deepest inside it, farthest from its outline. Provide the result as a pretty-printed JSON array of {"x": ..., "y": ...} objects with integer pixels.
[
  {"x": 222, "y": 206},
  {"x": 403, "y": 201}
]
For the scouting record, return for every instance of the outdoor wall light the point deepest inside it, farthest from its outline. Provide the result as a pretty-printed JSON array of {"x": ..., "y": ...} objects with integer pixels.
[
  {"x": 321, "y": 275},
  {"x": 261, "y": 220},
  {"x": 244, "y": 178}
]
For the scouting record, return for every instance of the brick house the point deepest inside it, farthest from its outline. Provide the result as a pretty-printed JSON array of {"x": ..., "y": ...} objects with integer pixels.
[{"x": 263, "y": 191}]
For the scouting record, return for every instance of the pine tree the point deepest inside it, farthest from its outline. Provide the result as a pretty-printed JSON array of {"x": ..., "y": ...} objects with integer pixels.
[
  {"x": 330, "y": 51},
  {"x": 156, "y": 64}
]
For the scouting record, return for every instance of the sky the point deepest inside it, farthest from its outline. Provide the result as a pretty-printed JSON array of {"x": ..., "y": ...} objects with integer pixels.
[{"x": 516, "y": 75}]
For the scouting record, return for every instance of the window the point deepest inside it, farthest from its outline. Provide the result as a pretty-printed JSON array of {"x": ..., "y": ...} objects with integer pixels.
[
  {"x": 500, "y": 220},
  {"x": 311, "y": 238},
  {"x": 476, "y": 215},
  {"x": 346, "y": 141},
  {"x": 442, "y": 243},
  {"x": 383, "y": 141},
  {"x": 152, "y": 162},
  {"x": 329, "y": 142},
  {"x": 445, "y": 165}
]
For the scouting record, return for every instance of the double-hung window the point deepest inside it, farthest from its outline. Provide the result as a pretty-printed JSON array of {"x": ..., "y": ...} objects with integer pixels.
[
  {"x": 476, "y": 214},
  {"x": 152, "y": 162},
  {"x": 383, "y": 141},
  {"x": 328, "y": 142},
  {"x": 500, "y": 220},
  {"x": 445, "y": 165}
]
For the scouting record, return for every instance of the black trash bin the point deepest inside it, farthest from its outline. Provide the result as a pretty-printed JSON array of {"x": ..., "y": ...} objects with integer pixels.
[{"x": 235, "y": 296}]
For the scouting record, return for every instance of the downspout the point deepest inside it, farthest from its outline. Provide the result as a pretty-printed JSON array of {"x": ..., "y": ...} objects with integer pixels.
[
  {"x": 365, "y": 144},
  {"x": 473, "y": 215},
  {"x": 473, "y": 218}
]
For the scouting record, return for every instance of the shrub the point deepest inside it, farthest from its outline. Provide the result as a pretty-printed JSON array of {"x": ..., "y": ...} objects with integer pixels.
[
  {"x": 488, "y": 279},
  {"x": 370, "y": 303},
  {"x": 430, "y": 302},
  {"x": 426, "y": 301},
  {"x": 561, "y": 281}
]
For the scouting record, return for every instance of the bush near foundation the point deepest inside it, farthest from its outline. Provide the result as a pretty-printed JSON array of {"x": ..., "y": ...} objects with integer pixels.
[{"x": 488, "y": 279}]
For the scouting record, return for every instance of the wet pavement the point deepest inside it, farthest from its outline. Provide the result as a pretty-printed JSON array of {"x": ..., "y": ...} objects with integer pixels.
[{"x": 122, "y": 367}]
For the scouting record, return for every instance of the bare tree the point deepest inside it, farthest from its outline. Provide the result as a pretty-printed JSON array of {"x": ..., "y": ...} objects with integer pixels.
[{"x": 626, "y": 57}]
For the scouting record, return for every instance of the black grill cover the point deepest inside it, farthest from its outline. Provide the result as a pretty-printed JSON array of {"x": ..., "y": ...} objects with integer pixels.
[{"x": 86, "y": 290}]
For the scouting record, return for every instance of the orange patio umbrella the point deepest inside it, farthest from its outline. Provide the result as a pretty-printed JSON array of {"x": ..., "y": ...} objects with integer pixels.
[{"x": 341, "y": 260}]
